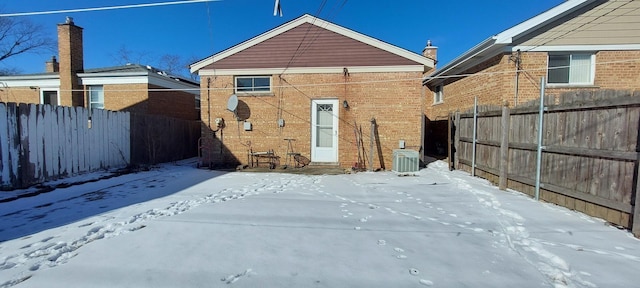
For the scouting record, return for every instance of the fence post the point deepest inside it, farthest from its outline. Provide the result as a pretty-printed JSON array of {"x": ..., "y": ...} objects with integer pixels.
[
  {"x": 475, "y": 136},
  {"x": 635, "y": 224},
  {"x": 449, "y": 142},
  {"x": 456, "y": 142},
  {"x": 504, "y": 147},
  {"x": 540, "y": 126}
]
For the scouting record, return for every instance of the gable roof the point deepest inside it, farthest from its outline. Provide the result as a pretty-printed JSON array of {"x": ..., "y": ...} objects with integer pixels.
[
  {"x": 496, "y": 44},
  {"x": 276, "y": 49}
]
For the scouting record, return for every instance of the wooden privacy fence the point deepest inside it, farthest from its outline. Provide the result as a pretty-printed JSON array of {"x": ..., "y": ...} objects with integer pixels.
[
  {"x": 43, "y": 142},
  {"x": 590, "y": 154},
  {"x": 157, "y": 139}
]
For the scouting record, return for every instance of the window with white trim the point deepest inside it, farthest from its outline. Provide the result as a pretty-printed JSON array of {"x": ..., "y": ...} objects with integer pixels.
[
  {"x": 571, "y": 68},
  {"x": 49, "y": 97},
  {"x": 253, "y": 84},
  {"x": 96, "y": 97},
  {"x": 438, "y": 95}
]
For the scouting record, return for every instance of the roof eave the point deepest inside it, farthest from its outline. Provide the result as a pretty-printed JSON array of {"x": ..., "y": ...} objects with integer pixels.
[
  {"x": 496, "y": 43},
  {"x": 114, "y": 74},
  {"x": 30, "y": 77},
  {"x": 469, "y": 54},
  {"x": 530, "y": 25}
]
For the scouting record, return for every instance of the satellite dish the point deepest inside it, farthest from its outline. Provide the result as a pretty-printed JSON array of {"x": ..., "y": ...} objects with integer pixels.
[{"x": 232, "y": 103}]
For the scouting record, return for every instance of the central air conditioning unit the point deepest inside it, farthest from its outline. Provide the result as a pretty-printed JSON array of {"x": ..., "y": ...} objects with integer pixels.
[{"x": 406, "y": 161}]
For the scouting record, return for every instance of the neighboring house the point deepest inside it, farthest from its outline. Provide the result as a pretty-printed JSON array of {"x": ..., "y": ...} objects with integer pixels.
[
  {"x": 313, "y": 81},
  {"x": 134, "y": 88},
  {"x": 579, "y": 44}
]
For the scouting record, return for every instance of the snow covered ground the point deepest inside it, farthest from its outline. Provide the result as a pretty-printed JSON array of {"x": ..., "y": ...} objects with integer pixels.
[{"x": 178, "y": 226}]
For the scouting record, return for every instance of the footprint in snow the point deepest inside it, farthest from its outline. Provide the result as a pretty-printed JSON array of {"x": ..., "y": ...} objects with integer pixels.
[{"x": 233, "y": 278}]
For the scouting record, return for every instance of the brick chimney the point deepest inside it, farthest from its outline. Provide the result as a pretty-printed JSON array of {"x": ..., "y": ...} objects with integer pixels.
[
  {"x": 71, "y": 63},
  {"x": 430, "y": 52},
  {"x": 52, "y": 66}
]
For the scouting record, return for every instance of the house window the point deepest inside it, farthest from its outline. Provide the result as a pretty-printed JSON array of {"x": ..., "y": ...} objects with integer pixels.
[
  {"x": 572, "y": 69},
  {"x": 50, "y": 97},
  {"x": 253, "y": 84},
  {"x": 437, "y": 95},
  {"x": 197, "y": 103},
  {"x": 96, "y": 97}
]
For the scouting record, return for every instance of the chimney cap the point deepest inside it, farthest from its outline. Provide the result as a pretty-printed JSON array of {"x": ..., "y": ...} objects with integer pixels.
[
  {"x": 69, "y": 20},
  {"x": 430, "y": 45}
]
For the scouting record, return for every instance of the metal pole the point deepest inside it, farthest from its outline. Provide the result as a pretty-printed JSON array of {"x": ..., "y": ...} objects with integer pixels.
[
  {"x": 540, "y": 127},
  {"x": 475, "y": 124}
]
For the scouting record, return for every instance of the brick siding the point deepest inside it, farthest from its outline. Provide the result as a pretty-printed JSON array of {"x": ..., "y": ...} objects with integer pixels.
[
  {"x": 395, "y": 104},
  {"x": 494, "y": 82}
]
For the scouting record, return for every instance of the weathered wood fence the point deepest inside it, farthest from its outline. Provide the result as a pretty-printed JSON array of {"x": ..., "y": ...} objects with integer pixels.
[
  {"x": 157, "y": 139},
  {"x": 590, "y": 154},
  {"x": 43, "y": 142}
]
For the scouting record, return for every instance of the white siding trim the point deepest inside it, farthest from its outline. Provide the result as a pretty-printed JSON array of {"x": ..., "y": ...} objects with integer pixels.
[
  {"x": 114, "y": 80},
  {"x": 312, "y": 70},
  {"x": 50, "y": 83},
  {"x": 552, "y": 14},
  {"x": 575, "y": 48}
]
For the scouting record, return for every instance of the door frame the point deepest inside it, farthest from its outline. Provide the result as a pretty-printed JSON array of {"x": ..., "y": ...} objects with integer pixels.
[{"x": 318, "y": 154}]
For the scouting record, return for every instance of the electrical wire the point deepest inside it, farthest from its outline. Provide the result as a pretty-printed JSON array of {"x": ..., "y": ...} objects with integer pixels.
[
  {"x": 305, "y": 36},
  {"x": 332, "y": 14},
  {"x": 105, "y": 8}
]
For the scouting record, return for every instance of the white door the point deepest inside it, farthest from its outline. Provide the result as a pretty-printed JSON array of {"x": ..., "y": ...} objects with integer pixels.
[{"x": 324, "y": 130}]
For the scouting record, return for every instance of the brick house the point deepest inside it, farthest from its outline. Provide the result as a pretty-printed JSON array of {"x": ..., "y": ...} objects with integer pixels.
[
  {"x": 312, "y": 81},
  {"x": 134, "y": 88},
  {"x": 579, "y": 44}
]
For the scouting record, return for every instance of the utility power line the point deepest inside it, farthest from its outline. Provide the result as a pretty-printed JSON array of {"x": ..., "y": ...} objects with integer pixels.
[{"x": 105, "y": 8}]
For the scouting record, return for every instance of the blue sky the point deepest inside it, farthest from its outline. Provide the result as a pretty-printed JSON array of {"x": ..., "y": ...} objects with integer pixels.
[{"x": 196, "y": 31}]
